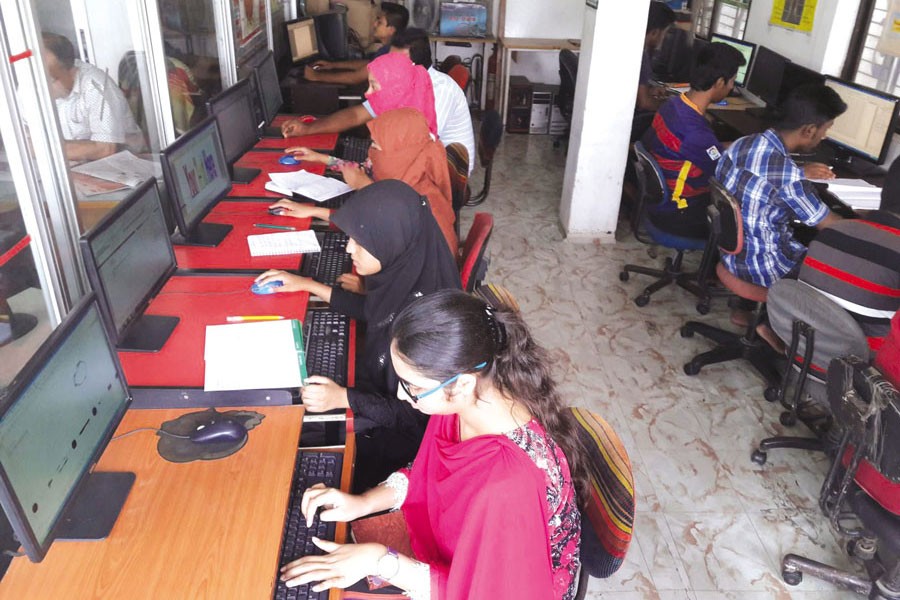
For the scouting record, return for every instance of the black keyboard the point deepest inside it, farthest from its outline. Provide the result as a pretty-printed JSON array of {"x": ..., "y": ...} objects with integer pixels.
[
  {"x": 353, "y": 148},
  {"x": 332, "y": 262},
  {"x": 327, "y": 335},
  {"x": 296, "y": 539}
]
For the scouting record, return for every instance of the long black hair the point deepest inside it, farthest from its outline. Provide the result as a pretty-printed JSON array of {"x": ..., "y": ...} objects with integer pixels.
[{"x": 450, "y": 332}]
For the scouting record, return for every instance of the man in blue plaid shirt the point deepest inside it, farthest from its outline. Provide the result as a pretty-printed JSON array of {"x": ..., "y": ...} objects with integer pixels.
[{"x": 773, "y": 190}]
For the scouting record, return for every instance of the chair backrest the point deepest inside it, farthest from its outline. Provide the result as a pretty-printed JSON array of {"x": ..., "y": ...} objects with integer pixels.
[
  {"x": 726, "y": 222},
  {"x": 607, "y": 521},
  {"x": 333, "y": 33},
  {"x": 568, "y": 71},
  {"x": 652, "y": 186},
  {"x": 460, "y": 74},
  {"x": 458, "y": 162},
  {"x": 489, "y": 136},
  {"x": 472, "y": 264}
]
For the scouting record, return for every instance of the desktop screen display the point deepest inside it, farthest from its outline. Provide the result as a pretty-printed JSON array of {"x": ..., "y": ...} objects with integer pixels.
[
  {"x": 268, "y": 87},
  {"x": 867, "y": 126},
  {"x": 58, "y": 417},
  {"x": 129, "y": 255},
  {"x": 765, "y": 77},
  {"x": 747, "y": 50},
  {"x": 196, "y": 173},
  {"x": 302, "y": 39},
  {"x": 233, "y": 111}
]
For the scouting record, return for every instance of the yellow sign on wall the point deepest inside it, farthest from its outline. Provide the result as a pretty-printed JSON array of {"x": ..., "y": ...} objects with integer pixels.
[{"x": 798, "y": 15}]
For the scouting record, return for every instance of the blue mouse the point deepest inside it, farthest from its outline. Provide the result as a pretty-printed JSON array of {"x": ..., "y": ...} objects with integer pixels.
[
  {"x": 287, "y": 159},
  {"x": 224, "y": 430},
  {"x": 265, "y": 288}
]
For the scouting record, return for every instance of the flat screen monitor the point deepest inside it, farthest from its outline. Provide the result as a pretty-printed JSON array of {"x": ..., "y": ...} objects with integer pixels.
[
  {"x": 129, "y": 257},
  {"x": 747, "y": 49},
  {"x": 302, "y": 39},
  {"x": 867, "y": 126},
  {"x": 196, "y": 177},
  {"x": 233, "y": 111},
  {"x": 268, "y": 94},
  {"x": 56, "y": 418},
  {"x": 795, "y": 76},
  {"x": 765, "y": 78}
]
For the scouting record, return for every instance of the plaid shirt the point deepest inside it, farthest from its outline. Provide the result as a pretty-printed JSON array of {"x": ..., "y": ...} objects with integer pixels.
[{"x": 773, "y": 192}]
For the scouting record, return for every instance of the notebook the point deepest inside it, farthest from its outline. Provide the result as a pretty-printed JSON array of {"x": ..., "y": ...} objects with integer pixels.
[{"x": 289, "y": 242}]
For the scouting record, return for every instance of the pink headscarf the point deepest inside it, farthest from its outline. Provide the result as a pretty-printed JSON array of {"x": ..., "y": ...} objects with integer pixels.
[{"x": 403, "y": 84}]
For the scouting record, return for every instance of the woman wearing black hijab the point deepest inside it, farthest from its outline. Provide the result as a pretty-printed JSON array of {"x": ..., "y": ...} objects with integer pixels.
[{"x": 398, "y": 247}]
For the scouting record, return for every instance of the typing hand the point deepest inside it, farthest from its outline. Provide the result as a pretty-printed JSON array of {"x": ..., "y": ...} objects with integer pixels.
[
  {"x": 338, "y": 506},
  {"x": 817, "y": 171},
  {"x": 355, "y": 176},
  {"x": 290, "y": 283},
  {"x": 293, "y": 128},
  {"x": 352, "y": 283},
  {"x": 344, "y": 565},
  {"x": 304, "y": 153},
  {"x": 320, "y": 393}
]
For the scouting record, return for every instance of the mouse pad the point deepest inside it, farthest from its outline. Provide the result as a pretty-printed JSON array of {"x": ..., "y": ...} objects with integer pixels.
[{"x": 180, "y": 450}]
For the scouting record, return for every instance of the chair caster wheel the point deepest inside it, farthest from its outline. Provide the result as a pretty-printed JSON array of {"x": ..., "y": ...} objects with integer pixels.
[
  {"x": 691, "y": 368},
  {"x": 788, "y": 419},
  {"x": 623, "y": 276},
  {"x": 686, "y": 332},
  {"x": 759, "y": 457},
  {"x": 642, "y": 300},
  {"x": 771, "y": 394},
  {"x": 703, "y": 307},
  {"x": 861, "y": 549},
  {"x": 792, "y": 577}
]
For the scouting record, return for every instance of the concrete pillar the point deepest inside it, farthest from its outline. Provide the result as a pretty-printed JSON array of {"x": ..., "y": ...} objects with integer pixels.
[{"x": 608, "y": 67}]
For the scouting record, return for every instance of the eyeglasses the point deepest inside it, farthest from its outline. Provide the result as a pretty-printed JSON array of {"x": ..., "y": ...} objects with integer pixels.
[{"x": 416, "y": 397}]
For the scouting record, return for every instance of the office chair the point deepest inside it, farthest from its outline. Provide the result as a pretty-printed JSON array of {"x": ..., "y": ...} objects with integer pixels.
[
  {"x": 727, "y": 229},
  {"x": 458, "y": 163},
  {"x": 565, "y": 97},
  {"x": 472, "y": 263},
  {"x": 607, "y": 521},
  {"x": 654, "y": 190},
  {"x": 333, "y": 33},
  {"x": 864, "y": 481},
  {"x": 488, "y": 139},
  {"x": 460, "y": 74},
  {"x": 819, "y": 331}
]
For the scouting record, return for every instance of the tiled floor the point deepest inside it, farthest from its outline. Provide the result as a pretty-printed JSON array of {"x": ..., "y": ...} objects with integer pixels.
[{"x": 710, "y": 524}]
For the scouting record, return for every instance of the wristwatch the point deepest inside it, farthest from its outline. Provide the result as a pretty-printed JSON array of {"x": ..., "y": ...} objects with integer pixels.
[{"x": 388, "y": 565}]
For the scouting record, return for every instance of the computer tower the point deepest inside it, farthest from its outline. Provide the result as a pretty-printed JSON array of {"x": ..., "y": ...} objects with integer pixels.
[
  {"x": 541, "y": 107},
  {"x": 518, "y": 113}
]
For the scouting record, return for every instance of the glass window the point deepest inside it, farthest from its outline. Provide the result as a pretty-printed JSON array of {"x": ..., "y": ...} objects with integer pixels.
[
  {"x": 727, "y": 17},
  {"x": 877, "y": 69}
]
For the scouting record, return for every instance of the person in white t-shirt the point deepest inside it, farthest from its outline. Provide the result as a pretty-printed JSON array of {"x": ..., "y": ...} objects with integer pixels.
[{"x": 93, "y": 114}]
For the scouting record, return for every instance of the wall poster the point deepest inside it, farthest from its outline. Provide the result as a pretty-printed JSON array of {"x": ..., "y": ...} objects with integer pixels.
[
  {"x": 798, "y": 15},
  {"x": 249, "y": 25}
]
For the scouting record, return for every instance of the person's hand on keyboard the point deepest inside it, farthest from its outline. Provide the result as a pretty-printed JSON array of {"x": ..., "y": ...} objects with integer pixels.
[
  {"x": 352, "y": 283},
  {"x": 321, "y": 394},
  {"x": 289, "y": 208},
  {"x": 338, "y": 506},
  {"x": 817, "y": 170},
  {"x": 344, "y": 565}
]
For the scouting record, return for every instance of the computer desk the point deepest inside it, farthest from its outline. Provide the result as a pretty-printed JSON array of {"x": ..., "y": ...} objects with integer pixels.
[
  {"x": 205, "y": 529},
  {"x": 323, "y": 142}
]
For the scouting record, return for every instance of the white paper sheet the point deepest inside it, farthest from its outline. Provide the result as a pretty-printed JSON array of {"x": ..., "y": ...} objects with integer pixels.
[
  {"x": 316, "y": 187},
  {"x": 289, "y": 242},
  {"x": 249, "y": 356},
  {"x": 122, "y": 167}
]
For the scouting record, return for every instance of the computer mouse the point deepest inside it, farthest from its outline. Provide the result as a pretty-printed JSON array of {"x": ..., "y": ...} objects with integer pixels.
[
  {"x": 265, "y": 288},
  {"x": 224, "y": 430},
  {"x": 277, "y": 210},
  {"x": 287, "y": 159}
]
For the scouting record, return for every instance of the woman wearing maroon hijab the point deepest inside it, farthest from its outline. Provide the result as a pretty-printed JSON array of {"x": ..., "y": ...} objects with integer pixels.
[{"x": 490, "y": 500}]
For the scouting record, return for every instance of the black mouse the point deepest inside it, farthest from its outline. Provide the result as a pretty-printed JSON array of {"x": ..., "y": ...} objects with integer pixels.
[{"x": 224, "y": 430}]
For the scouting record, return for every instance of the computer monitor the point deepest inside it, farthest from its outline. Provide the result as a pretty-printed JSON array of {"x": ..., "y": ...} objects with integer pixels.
[
  {"x": 128, "y": 257},
  {"x": 795, "y": 76},
  {"x": 866, "y": 128},
  {"x": 268, "y": 94},
  {"x": 302, "y": 39},
  {"x": 765, "y": 77},
  {"x": 233, "y": 111},
  {"x": 196, "y": 177},
  {"x": 58, "y": 415},
  {"x": 747, "y": 49}
]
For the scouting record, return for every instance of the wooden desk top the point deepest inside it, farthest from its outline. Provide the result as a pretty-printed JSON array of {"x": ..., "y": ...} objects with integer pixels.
[
  {"x": 540, "y": 43},
  {"x": 472, "y": 40},
  {"x": 205, "y": 529}
]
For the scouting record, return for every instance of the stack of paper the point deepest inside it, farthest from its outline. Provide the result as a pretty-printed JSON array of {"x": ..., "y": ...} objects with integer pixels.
[
  {"x": 855, "y": 193},
  {"x": 252, "y": 356},
  {"x": 123, "y": 167},
  {"x": 309, "y": 185},
  {"x": 290, "y": 242}
]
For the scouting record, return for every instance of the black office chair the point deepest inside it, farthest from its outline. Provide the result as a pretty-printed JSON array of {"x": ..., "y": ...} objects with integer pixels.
[
  {"x": 565, "y": 97},
  {"x": 488, "y": 139},
  {"x": 864, "y": 481},
  {"x": 333, "y": 33},
  {"x": 458, "y": 164}
]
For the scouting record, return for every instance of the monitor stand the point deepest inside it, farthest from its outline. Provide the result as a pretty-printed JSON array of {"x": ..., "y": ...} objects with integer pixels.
[
  {"x": 244, "y": 174},
  {"x": 205, "y": 234},
  {"x": 95, "y": 508},
  {"x": 148, "y": 333}
]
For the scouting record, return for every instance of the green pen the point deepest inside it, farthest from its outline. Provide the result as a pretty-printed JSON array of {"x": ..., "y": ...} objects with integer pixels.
[{"x": 267, "y": 226}]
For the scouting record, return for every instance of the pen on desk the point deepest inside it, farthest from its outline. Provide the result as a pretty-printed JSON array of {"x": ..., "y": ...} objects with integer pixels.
[
  {"x": 267, "y": 226},
  {"x": 249, "y": 318}
]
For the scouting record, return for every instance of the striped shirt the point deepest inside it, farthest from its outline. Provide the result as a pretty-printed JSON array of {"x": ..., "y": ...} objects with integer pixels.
[
  {"x": 856, "y": 263},
  {"x": 773, "y": 192}
]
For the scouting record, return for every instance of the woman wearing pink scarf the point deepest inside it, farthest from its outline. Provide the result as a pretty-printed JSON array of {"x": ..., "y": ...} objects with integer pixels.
[{"x": 396, "y": 82}]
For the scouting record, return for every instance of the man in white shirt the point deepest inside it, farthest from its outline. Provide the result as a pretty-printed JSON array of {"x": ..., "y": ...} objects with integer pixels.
[{"x": 93, "y": 114}]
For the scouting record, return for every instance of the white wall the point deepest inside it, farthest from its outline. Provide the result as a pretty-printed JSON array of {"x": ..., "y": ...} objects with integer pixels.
[
  {"x": 823, "y": 49},
  {"x": 560, "y": 19}
]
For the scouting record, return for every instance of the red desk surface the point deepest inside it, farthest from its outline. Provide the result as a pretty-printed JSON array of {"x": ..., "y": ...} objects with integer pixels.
[
  {"x": 319, "y": 141},
  {"x": 200, "y": 301},
  {"x": 233, "y": 252},
  {"x": 268, "y": 162}
]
